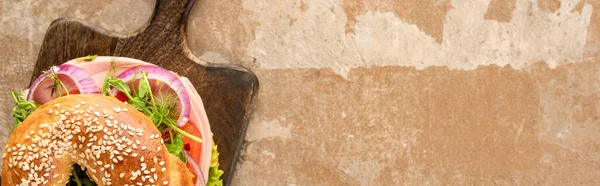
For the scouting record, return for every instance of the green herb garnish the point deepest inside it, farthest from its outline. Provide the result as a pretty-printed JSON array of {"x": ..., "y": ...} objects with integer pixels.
[
  {"x": 79, "y": 177},
  {"x": 51, "y": 74},
  {"x": 176, "y": 147},
  {"x": 22, "y": 107},
  {"x": 160, "y": 111},
  {"x": 111, "y": 81},
  {"x": 87, "y": 58}
]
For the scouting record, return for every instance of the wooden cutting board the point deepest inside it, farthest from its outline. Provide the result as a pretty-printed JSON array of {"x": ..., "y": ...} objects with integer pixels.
[{"x": 227, "y": 90}]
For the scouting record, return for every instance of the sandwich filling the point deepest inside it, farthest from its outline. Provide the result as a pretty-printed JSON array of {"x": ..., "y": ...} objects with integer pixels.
[{"x": 168, "y": 100}]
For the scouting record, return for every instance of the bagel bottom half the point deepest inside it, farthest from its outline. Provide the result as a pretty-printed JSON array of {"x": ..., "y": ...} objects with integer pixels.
[{"x": 112, "y": 141}]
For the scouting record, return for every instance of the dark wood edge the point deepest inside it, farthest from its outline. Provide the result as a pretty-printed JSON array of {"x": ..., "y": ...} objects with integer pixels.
[
  {"x": 57, "y": 22},
  {"x": 116, "y": 36},
  {"x": 246, "y": 121}
]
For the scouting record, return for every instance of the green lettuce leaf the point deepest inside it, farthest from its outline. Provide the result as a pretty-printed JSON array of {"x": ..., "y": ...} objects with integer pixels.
[{"x": 214, "y": 174}]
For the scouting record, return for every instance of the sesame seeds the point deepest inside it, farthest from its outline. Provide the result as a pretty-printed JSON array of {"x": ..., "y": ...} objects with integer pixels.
[{"x": 93, "y": 138}]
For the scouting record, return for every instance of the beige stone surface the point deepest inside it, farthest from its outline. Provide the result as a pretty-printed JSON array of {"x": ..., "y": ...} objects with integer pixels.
[{"x": 359, "y": 92}]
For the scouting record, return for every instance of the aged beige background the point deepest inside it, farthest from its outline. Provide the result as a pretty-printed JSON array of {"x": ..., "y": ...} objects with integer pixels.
[{"x": 382, "y": 92}]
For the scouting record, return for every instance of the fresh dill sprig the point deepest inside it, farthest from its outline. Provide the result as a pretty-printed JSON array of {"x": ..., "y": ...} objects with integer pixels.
[
  {"x": 107, "y": 79},
  {"x": 57, "y": 83}
]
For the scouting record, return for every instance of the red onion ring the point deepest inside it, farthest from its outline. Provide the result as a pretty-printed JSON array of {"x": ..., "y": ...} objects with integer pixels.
[
  {"x": 200, "y": 180},
  {"x": 81, "y": 79},
  {"x": 170, "y": 79},
  {"x": 99, "y": 66}
]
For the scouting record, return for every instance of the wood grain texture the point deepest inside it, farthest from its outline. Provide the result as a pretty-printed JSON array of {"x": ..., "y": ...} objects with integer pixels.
[{"x": 226, "y": 90}]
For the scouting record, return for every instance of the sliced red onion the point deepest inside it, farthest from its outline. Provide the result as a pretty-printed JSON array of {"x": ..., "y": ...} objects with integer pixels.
[
  {"x": 74, "y": 78},
  {"x": 99, "y": 66},
  {"x": 200, "y": 180},
  {"x": 168, "y": 78}
]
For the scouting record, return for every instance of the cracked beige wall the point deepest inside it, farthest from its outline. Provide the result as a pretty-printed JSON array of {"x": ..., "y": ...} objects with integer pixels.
[
  {"x": 380, "y": 92},
  {"x": 335, "y": 99},
  {"x": 316, "y": 37}
]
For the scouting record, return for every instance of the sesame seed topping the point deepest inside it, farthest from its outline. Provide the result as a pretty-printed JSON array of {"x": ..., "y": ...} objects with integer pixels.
[{"x": 82, "y": 133}]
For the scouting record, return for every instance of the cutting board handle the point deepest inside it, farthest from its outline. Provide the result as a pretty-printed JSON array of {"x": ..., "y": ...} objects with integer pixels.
[
  {"x": 163, "y": 12},
  {"x": 227, "y": 90},
  {"x": 166, "y": 31}
]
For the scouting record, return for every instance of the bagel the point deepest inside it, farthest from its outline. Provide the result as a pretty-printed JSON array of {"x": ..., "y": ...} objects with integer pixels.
[{"x": 112, "y": 141}]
